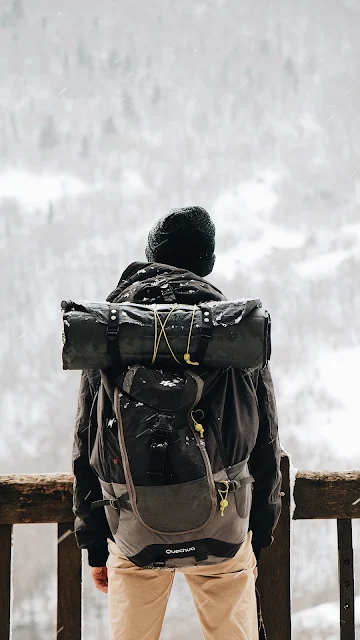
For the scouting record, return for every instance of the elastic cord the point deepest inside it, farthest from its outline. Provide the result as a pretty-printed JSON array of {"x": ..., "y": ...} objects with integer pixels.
[{"x": 162, "y": 332}]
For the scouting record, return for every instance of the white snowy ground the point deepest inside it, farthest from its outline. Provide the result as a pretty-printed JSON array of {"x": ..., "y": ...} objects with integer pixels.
[
  {"x": 322, "y": 622},
  {"x": 33, "y": 192}
]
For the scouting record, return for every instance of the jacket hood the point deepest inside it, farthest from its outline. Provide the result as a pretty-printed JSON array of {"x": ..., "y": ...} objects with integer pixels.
[{"x": 137, "y": 273}]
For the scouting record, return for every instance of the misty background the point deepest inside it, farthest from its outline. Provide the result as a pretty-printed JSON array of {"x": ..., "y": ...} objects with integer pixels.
[{"x": 112, "y": 113}]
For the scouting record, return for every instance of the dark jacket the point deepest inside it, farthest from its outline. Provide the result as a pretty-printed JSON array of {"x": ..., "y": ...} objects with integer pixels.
[{"x": 249, "y": 427}]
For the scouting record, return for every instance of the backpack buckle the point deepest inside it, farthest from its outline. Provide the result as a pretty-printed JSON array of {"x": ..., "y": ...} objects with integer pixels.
[
  {"x": 159, "y": 564},
  {"x": 114, "y": 503},
  {"x": 112, "y": 333},
  {"x": 162, "y": 428}
]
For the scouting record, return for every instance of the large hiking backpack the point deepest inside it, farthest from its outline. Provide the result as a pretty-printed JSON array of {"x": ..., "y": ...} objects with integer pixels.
[
  {"x": 167, "y": 507},
  {"x": 170, "y": 495}
]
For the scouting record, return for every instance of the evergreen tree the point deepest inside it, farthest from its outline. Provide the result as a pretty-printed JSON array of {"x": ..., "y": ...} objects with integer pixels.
[
  {"x": 49, "y": 136},
  {"x": 83, "y": 56},
  {"x": 113, "y": 61},
  {"x": 109, "y": 127},
  {"x": 15, "y": 13},
  {"x": 84, "y": 149}
]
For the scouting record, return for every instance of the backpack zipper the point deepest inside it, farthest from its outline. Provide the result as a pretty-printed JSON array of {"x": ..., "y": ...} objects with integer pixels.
[
  {"x": 202, "y": 446},
  {"x": 127, "y": 472},
  {"x": 209, "y": 473}
]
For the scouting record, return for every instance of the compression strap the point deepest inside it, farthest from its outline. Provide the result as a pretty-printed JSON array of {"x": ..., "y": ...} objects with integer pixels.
[{"x": 157, "y": 338}]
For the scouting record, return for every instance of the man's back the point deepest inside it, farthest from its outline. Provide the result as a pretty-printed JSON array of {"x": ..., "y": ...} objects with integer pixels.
[{"x": 239, "y": 413}]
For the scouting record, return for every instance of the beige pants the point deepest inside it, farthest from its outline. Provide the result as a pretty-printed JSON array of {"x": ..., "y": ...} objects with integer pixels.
[{"x": 224, "y": 596}]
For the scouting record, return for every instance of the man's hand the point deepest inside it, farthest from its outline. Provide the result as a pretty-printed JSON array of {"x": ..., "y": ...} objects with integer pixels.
[
  {"x": 99, "y": 576},
  {"x": 255, "y": 573}
]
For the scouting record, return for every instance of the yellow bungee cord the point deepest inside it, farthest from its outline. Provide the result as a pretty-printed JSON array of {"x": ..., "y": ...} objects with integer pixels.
[
  {"x": 223, "y": 493},
  {"x": 157, "y": 338},
  {"x": 162, "y": 332},
  {"x": 187, "y": 356},
  {"x": 197, "y": 426}
]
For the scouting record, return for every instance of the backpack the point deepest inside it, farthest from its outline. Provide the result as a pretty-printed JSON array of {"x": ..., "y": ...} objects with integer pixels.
[
  {"x": 165, "y": 505},
  {"x": 170, "y": 497}
]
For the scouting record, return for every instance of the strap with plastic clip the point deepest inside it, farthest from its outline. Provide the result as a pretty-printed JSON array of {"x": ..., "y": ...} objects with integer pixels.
[
  {"x": 112, "y": 334},
  {"x": 234, "y": 485},
  {"x": 205, "y": 335},
  {"x": 112, "y": 502}
]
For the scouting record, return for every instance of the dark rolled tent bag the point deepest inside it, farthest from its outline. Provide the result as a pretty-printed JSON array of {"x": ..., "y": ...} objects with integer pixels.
[{"x": 98, "y": 335}]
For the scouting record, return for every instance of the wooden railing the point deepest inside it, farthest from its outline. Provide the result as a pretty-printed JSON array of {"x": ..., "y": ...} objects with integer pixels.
[
  {"x": 44, "y": 498},
  {"x": 48, "y": 498},
  {"x": 331, "y": 495}
]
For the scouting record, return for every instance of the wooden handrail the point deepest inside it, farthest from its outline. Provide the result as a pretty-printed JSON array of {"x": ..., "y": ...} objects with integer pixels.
[
  {"x": 48, "y": 497},
  {"x": 327, "y": 495},
  {"x": 36, "y": 498}
]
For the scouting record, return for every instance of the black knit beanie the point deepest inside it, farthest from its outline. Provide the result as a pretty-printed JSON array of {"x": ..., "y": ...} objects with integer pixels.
[{"x": 184, "y": 238}]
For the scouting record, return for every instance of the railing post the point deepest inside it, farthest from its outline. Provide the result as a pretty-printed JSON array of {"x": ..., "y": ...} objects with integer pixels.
[
  {"x": 346, "y": 580},
  {"x": 69, "y": 584},
  {"x": 5, "y": 580},
  {"x": 274, "y": 569}
]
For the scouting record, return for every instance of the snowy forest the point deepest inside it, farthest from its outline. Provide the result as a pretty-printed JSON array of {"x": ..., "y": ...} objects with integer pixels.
[{"x": 112, "y": 113}]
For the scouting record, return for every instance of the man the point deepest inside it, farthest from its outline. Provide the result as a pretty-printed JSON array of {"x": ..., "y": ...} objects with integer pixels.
[{"x": 224, "y": 593}]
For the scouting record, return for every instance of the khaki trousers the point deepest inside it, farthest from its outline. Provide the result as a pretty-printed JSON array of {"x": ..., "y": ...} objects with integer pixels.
[{"x": 224, "y": 597}]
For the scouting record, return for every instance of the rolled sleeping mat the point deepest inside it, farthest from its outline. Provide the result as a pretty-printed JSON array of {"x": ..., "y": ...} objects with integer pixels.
[{"x": 99, "y": 335}]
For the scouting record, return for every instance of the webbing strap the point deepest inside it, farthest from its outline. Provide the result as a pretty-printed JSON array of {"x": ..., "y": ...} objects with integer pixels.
[
  {"x": 200, "y": 556},
  {"x": 234, "y": 485},
  {"x": 157, "y": 460},
  {"x": 205, "y": 335},
  {"x": 167, "y": 292},
  {"x": 114, "y": 502},
  {"x": 158, "y": 450},
  {"x": 112, "y": 334}
]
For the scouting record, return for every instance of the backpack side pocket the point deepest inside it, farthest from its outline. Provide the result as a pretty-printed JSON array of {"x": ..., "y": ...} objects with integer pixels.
[{"x": 243, "y": 495}]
